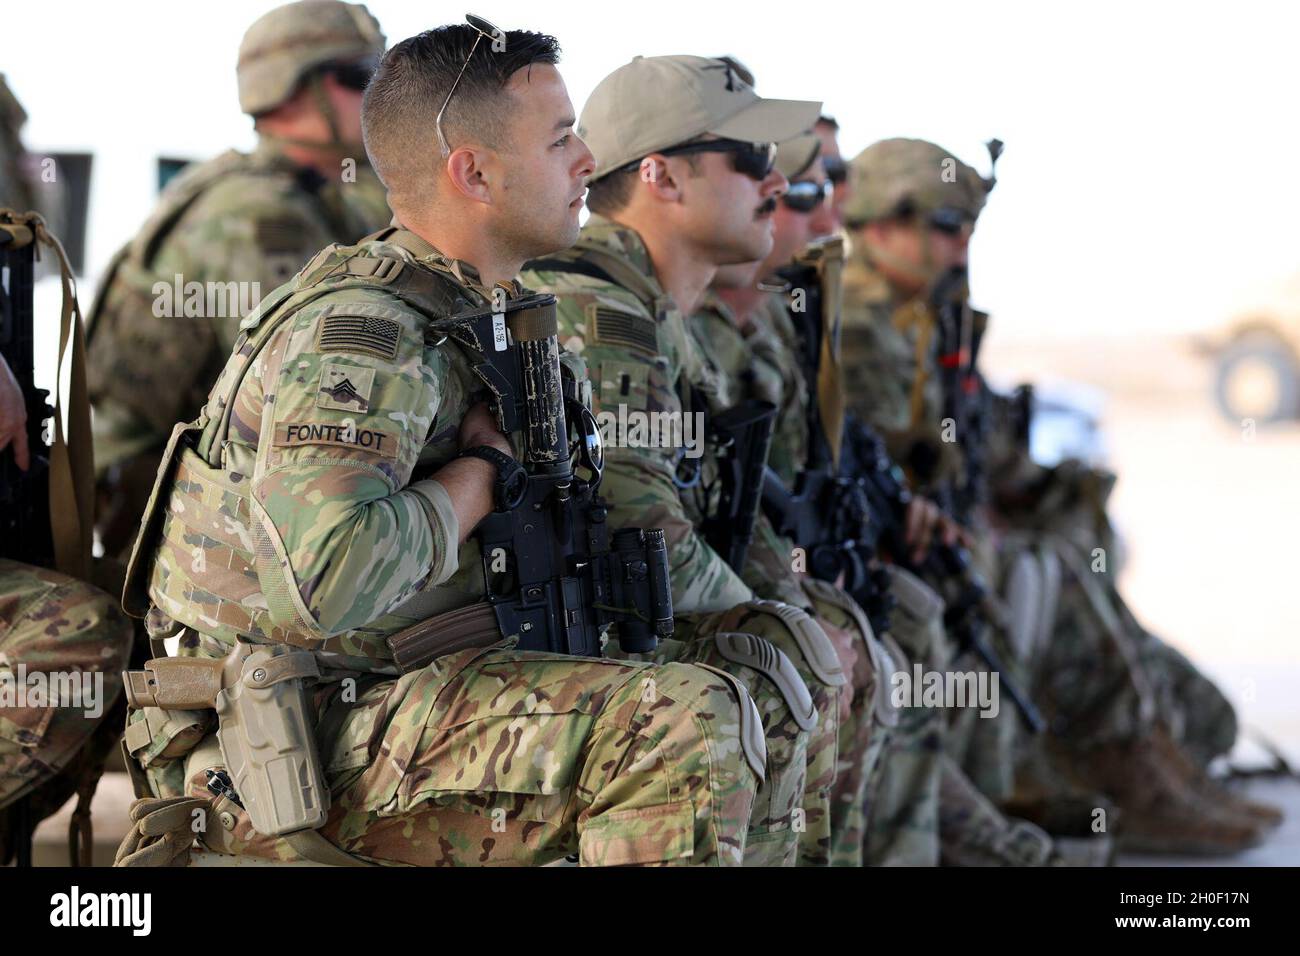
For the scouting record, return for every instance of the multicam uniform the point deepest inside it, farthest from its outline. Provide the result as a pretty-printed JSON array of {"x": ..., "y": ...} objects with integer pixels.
[
  {"x": 920, "y": 807},
  {"x": 56, "y": 627},
  {"x": 239, "y": 226},
  {"x": 53, "y": 628},
  {"x": 1106, "y": 685},
  {"x": 301, "y": 512},
  {"x": 642, "y": 358},
  {"x": 1096, "y": 652}
]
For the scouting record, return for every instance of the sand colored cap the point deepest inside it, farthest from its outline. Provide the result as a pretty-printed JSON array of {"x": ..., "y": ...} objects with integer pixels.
[
  {"x": 656, "y": 102},
  {"x": 901, "y": 173},
  {"x": 287, "y": 43}
]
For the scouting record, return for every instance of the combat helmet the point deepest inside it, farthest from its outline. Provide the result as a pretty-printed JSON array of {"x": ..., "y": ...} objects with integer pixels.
[
  {"x": 903, "y": 176},
  {"x": 284, "y": 46}
]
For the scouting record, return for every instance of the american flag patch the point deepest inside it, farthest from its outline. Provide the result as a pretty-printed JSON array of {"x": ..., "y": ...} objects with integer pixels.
[
  {"x": 609, "y": 327},
  {"x": 360, "y": 333}
]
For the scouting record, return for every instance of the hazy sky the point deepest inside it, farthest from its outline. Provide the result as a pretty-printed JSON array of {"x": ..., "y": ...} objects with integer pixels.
[{"x": 1149, "y": 179}]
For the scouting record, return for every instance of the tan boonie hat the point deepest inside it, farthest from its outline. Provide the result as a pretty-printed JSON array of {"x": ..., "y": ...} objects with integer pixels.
[
  {"x": 656, "y": 102},
  {"x": 898, "y": 173},
  {"x": 283, "y": 46}
]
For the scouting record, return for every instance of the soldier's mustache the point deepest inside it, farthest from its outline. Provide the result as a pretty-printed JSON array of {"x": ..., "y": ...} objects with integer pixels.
[{"x": 767, "y": 208}]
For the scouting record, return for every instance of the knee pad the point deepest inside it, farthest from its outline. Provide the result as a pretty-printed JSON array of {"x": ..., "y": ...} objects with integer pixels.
[
  {"x": 1031, "y": 589},
  {"x": 812, "y": 641},
  {"x": 752, "y": 741},
  {"x": 769, "y": 661},
  {"x": 877, "y": 654}
]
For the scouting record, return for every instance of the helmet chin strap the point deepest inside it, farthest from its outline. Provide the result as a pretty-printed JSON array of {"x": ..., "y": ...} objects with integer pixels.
[
  {"x": 336, "y": 144},
  {"x": 921, "y": 274}
]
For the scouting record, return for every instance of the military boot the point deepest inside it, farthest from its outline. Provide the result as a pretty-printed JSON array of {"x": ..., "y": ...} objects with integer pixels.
[
  {"x": 1266, "y": 815},
  {"x": 973, "y": 832},
  {"x": 1162, "y": 811}
]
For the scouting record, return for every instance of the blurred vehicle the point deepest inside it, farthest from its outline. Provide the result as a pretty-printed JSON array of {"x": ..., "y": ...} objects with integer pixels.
[{"x": 1257, "y": 358}]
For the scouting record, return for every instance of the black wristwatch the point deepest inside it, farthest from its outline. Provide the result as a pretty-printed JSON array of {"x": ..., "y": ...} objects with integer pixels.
[{"x": 512, "y": 479}]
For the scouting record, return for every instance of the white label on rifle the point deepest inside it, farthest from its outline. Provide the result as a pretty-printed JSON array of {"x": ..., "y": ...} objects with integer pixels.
[{"x": 499, "y": 331}]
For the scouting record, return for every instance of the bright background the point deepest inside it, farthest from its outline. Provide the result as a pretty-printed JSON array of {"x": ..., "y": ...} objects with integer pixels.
[{"x": 1148, "y": 188}]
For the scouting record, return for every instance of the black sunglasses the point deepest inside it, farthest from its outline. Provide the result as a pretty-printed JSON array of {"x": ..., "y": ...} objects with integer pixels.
[
  {"x": 754, "y": 160},
  {"x": 806, "y": 195},
  {"x": 949, "y": 221},
  {"x": 352, "y": 76},
  {"x": 837, "y": 171}
]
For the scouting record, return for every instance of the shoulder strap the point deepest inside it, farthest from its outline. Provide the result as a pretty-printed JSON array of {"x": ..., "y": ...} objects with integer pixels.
[
  {"x": 333, "y": 269},
  {"x": 180, "y": 195},
  {"x": 608, "y": 267}
]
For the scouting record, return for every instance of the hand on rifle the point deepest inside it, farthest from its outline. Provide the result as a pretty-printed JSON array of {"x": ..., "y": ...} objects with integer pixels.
[
  {"x": 926, "y": 524},
  {"x": 13, "y": 416},
  {"x": 479, "y": 427},
  {"x": 470, "y": 482}
]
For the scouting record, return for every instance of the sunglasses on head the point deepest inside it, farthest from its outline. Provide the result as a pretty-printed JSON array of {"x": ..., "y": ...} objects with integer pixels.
[
  {"x": 483, "y": 30},
  {"x": 837, "y": 171},
  {"x": 754, "y": 160},
  {"x": 352, "y": 76},
  {"x": 806, "y": 195}
]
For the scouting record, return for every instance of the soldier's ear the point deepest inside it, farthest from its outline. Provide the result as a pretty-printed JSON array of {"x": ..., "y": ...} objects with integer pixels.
[
  {"x": 469, "y": 169},
  {"x": 655, "y": 175}
]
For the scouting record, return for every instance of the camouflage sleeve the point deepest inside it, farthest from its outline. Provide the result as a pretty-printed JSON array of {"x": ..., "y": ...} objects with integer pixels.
[
  {"x": 770, "y": 566},
  {"x": 634, "y": 363},
  {"x": 356, "y": 395}
]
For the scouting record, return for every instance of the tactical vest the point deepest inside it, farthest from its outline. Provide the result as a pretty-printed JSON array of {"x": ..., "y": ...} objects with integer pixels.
[{"x": 241, "y": 587}]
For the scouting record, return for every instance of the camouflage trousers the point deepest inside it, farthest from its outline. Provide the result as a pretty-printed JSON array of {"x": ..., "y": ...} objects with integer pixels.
[
  {"x": 902, "y": 806},
  {"x": 1102, "y": 678},
  {"x": 500, "y": 757},
  {"x": 801, "y": 692},
  {"x": 63, "y": 646},
  {"x": 929, "y": 805},
  {"x": 862, "y": 738}
]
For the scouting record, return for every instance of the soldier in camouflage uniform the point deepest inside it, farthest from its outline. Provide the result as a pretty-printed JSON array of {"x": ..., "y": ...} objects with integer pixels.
[
  {"x": 235, "y": 227},
  {"x": 331, "y": 518},
  {"x": 1097, "y": 674},
  {"x": 53, "y": 628},
  {"x": 639, "y": 263},
  {"x": 922, "y": 810}
]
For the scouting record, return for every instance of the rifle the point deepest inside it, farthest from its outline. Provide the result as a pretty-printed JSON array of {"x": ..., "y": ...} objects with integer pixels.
[
  {"x": 25, "y": 533},
  {"x": 741, "y": 437},
  {"x": 563, "y": 583},
  {"x": 825, "y": 512},
  {"x": 966, "y": 396},
  {"x": 968, "y": 615}
]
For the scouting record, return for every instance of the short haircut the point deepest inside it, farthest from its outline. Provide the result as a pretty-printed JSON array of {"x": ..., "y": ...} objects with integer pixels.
[{"x": 411, "y": 84}]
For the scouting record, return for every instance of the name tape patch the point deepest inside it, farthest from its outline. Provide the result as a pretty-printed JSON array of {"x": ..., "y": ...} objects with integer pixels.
[{"x": 339, "y": 434}]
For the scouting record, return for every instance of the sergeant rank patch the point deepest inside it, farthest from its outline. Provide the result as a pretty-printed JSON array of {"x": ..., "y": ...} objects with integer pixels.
[
  {"x": 345, "y": 387},
  {"x": 339, "y": 434}
]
